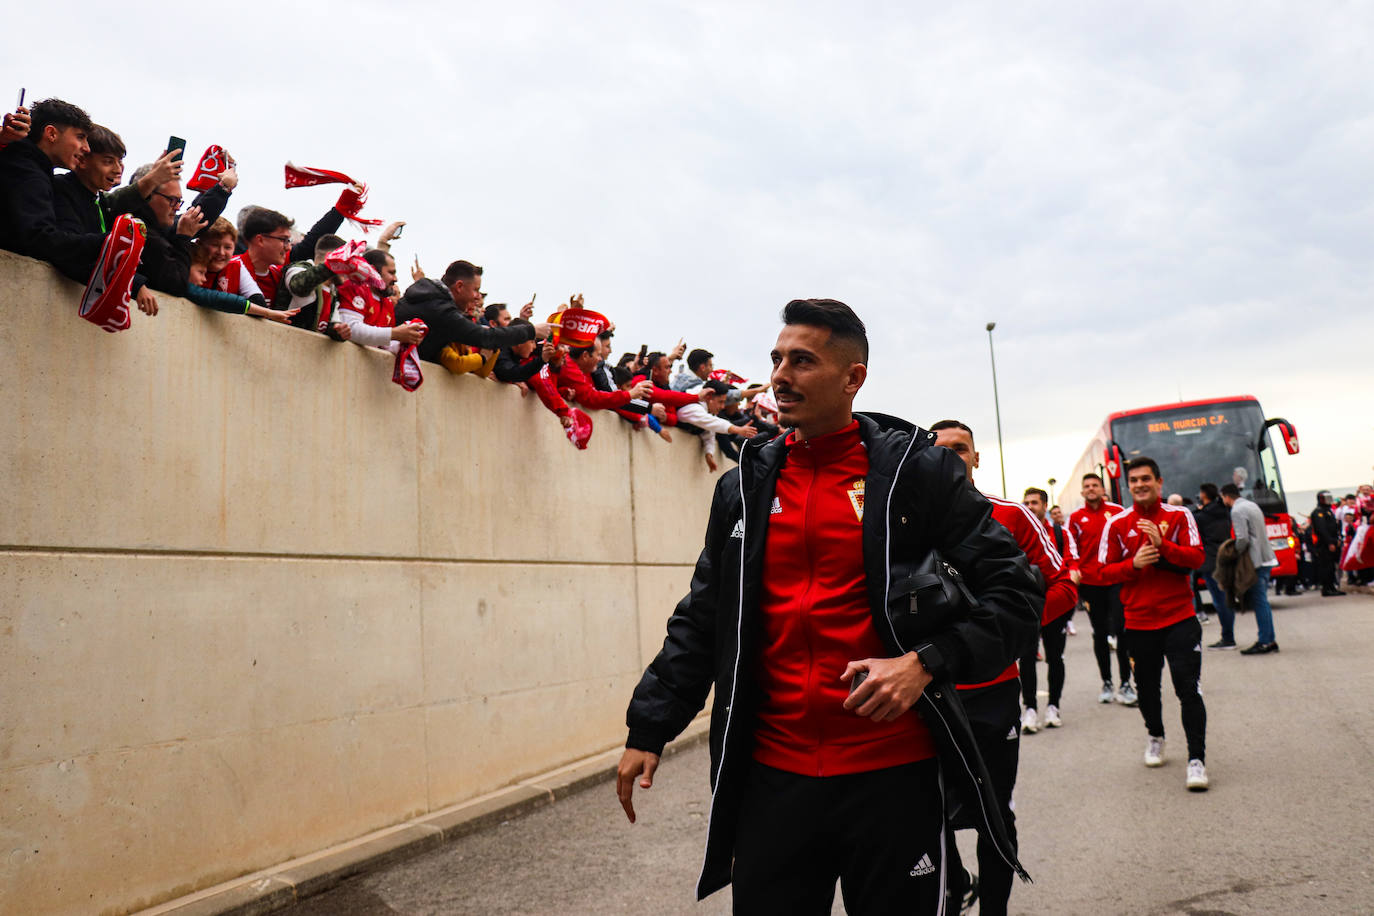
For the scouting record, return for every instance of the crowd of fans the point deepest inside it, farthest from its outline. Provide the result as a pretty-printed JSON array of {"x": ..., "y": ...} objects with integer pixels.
[{"x": 60, "y": 196}]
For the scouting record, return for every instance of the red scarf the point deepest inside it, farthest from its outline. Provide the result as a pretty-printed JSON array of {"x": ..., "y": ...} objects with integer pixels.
[
  {"x": 350, "y": 201},
  {"x": 406, "y": 372},
  {"x": 106, "y": 301}
]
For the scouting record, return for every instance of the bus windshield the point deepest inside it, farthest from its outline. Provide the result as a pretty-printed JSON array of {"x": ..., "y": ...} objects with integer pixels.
[{"x": 1216, "y": 443}]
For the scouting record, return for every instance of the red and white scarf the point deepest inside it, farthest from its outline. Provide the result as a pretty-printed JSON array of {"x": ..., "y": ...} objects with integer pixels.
[
  {"x": 406, "y": 372},
  {"x": 350, "y": 201}
]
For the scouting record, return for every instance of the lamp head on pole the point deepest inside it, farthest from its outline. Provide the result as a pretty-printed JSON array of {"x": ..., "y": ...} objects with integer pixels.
[{"x": 991, "y": 325}]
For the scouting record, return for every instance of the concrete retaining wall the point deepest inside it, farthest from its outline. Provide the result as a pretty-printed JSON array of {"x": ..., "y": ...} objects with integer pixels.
[{"x": 255, "y": 599}]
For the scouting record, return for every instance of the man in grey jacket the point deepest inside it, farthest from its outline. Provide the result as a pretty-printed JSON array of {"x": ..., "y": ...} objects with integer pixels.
[{"x": 1247, "y": 521}]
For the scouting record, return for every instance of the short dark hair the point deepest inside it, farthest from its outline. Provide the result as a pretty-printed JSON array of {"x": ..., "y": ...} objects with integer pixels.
[
  {"x": 1044, "y": 497},
  {"x": 263, "y": 221},
  {"x": 606, "y": 334},
  {"x": 716, "y": 385},
  {"x": 1056, "y": 506},
  {"x": 1231, "y": 490},
  {"x": 621, "y": 375},
  {"x": 1209, "y": 490},
  {"x": 376, "y": 257},
  {"x": 460, "y": 270},
  {"x": 520, "y": 323},
  {"x": 653, "y": 359},
  {"x": 57, "y": 113},
  {"x": 625, "y": 358},
  {"x": 327, "y": 243},
  {"x": 1143, "y": 462},
  {"x": 493, "y": 311},
  {"x": 105, "y": 142},
  {"x": 951, "y": 424},
  {"x": 582, "y": 351},
  {"x": 698, "y": 357},
  {"x": 1092, "y": 475},
  {"x": 845, "y": 327}
]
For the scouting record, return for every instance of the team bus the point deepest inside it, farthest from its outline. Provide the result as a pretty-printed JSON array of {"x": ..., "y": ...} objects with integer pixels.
[{"x": 1219, "y": 440}]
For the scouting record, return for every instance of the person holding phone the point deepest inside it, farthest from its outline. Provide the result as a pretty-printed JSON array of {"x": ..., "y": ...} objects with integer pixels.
[
  {"x": 57, "y": 138},
  {"x": 16, "y": 124}
]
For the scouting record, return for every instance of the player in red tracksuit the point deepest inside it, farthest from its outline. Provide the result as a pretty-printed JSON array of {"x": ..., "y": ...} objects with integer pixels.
[
  {"x": 1103, "y": 600},
  {"x": 1152, "y": 549},
  {"x": 1054, "y": 629},
  {"x": 994, "y": 707}
]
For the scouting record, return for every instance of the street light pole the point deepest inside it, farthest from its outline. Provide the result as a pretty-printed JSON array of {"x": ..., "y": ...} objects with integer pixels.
[{"x": 997, "y": 405}]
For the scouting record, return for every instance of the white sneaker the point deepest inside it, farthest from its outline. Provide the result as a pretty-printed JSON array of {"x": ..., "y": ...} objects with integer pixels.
[
  {"x": 1197, "y": 776},
  {"x": 1127, "y": 695},
  {"x": 1108, "y": 693},
  {"x": 1069, "y": 626},
  {"x": 1111, "y": 641},
  {"x": 1052, "y": 719},
  {"x": 1154, "y": 752},
  {"x": 1029, "y": 723}
]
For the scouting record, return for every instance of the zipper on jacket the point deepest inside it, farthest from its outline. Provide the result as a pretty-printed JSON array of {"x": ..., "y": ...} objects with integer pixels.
[{"x": 734, "y": 683}]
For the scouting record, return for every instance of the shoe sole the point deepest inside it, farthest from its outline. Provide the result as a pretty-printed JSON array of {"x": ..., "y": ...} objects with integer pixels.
[
  {"x": 1222, "y": 648},
  {"x": 1154, "y": 764},
  {"x": 1053, "y": 724},
  {"x": 1198, "y": 787}
]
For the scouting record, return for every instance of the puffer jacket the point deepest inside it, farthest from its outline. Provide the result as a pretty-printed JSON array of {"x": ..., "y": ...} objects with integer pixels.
[{"x": 917, "y": 499}]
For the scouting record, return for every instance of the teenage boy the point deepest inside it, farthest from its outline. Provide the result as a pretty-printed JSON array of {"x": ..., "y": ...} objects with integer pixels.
[{"x": 1152, "y": 549}]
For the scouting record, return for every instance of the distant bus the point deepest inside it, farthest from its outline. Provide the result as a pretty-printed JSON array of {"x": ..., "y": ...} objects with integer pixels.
[{"x": 1219, "y": 440}]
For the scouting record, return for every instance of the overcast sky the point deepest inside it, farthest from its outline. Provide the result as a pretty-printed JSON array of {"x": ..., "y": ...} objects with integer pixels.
[{"x": 1152, "y": 201}]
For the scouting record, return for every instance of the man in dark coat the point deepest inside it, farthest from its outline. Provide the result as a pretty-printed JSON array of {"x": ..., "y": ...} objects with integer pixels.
[
  {"x": 1214, "y": 526},
  {"x": 835, "y": 712},
  {"x": 443, "y": 305},
  {"x": 1326, "y": 544}
]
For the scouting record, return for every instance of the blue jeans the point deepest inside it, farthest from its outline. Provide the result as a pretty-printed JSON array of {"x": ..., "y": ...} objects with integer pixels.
[
  {"x": 1222, "y": 609},
  {"x": 1259, "y": 600}
]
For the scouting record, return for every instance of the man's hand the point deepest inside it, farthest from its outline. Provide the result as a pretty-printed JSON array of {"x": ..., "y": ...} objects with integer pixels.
[
  {"x": 408, "y": 334},
  {"x": 1150, "y": 530},
  {"x": 343, "y": 330},
  {"x": 678, "y": 350},
  {"x": 1147, "y": 555},
  {"x": 1076, "y": 576},
  {"x": 710, "y": 461},
  {"x": 229, "y": 178},
  {"x": 389, "y": 233},
  {"x": 549, "y": 351},
  {"x": 147, "y": 302},
  {"x": 542, "y": 330},
  {"x": 576, "y": 301},
  {"x": 892, "y": 687},
  {"x": 191, "y": 222},
  {"x": 667, "y": 436},
  {"x": 416, "y": 273},
  {"x": 746, "y": 431},
  {"x": 634, "y": 765},
  {"x": 165, "y": 169},
  {"x": 16, "y": 126},
  {"x": 567, "y": 424},
  {"x": 643, "y": 390},
  {"x": 659, "y": 411},
  {"x": 527, "y": 310}
]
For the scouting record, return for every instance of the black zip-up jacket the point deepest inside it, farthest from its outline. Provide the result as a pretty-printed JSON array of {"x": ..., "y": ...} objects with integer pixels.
[
  {"x": 431, "y": 302},
  {"x": 917, "y": 498},
  {"x": 28, "y": 214},
  {"x": 1214, "y": 527},
  {"x": 510, "y": 369},
  {"x": 1326, "y": 529}
]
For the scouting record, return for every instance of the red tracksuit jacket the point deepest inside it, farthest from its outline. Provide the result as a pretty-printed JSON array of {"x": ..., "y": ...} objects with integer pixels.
[
  {"x": 1038, "y": 545},
  {"x": 1086, "y": 527},
  {"x": 816, "y": 619},
  {"x": 1153, "y": 598}
]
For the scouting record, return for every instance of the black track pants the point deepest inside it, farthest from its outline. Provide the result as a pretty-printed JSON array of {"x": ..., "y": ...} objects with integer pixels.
[
  {"x": 1179, "y": 644},
  {"x": 1108, "y": 619},
  {"x": 994, "y": 714},
  {"x": 880, "y": 834},
  {"x": 1053, "y": 636}
]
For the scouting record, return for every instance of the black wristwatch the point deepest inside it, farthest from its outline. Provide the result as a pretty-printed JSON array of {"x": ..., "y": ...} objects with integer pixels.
[{"x": 932, "y": 660}]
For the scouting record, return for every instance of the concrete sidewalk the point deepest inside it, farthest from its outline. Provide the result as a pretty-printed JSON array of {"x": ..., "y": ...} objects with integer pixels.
[{"x": 286, "y": 884}]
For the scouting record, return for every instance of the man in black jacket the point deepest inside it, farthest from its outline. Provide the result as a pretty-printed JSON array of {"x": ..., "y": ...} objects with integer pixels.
[
  {"x": 807, "y": 614},
  {"x": 1214, "y": 527},
  {"x": 1326, "y": 545},
  {"x": 443, "y": 305}
]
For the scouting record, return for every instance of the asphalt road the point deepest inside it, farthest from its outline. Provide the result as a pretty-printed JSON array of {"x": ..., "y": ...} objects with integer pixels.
[{"x": 1288, "y": 826}]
